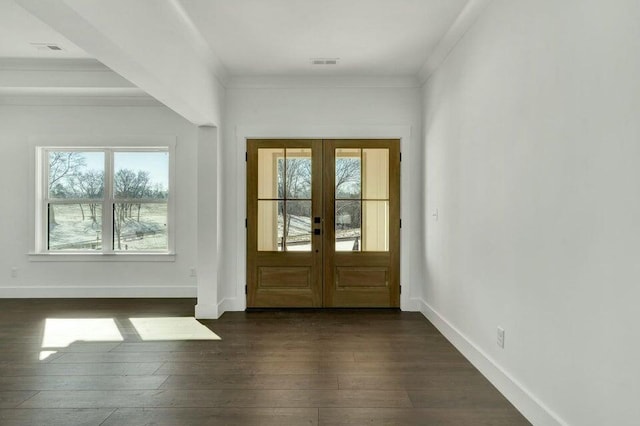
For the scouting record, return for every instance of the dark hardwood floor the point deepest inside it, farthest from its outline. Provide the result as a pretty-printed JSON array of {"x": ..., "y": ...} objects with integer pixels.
[{"x": 334, "y": 367}]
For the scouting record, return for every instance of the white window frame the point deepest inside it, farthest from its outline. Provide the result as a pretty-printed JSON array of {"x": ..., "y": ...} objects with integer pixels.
[{"x": 109, "y": 146}]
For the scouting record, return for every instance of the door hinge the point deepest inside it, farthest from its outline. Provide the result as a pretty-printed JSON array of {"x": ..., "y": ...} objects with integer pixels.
[
  {"x": 246, "y": 291},
  {"x": 246, "y": 222},
  {"x": 246, "y": 156},
  {"x": 400, "y": 289},
  {"x": 400, "y": 223},
  {"x": 400, "y": 157}
]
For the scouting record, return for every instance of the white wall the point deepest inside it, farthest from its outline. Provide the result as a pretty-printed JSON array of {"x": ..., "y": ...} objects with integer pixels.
[
  {"x": 315, "y": 112},
  {"x": 532, "y": 127},
  {"x": 82, "y": 279}
]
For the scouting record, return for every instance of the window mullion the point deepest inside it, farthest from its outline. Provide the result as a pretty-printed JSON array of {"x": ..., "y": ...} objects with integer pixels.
[
  {"x": 107, "y": 207},
  {"x": 44, "y": 208}
]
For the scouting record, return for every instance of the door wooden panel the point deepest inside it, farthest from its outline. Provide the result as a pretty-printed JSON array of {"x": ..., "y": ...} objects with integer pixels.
[
  {"x": 356, "y": 277},
  {"x": 270, "y": 277},
  {"x": 323, "y": 223}
]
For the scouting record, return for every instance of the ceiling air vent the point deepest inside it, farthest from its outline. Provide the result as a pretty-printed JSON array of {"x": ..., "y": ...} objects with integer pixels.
[
  {"x": 49, "y": 47},
  {"x": 324, "y": 61}
]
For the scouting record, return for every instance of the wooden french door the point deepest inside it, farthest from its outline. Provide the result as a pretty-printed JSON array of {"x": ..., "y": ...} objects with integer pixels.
[{"x": 323, "y": 219}]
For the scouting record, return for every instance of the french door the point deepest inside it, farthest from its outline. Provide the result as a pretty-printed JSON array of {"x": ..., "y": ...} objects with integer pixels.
[{"x": 323, "y": 219}]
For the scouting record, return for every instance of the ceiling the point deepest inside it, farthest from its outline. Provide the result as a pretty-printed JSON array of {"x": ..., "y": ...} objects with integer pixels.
[
  {"x": 171, "y": 49},
  {"x": 19, "y": 29},
  {"x": 278, "y": 37}
]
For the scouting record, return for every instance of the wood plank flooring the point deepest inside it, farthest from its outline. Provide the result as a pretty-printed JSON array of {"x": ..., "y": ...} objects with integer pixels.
[{"x": 305, "y": 367}]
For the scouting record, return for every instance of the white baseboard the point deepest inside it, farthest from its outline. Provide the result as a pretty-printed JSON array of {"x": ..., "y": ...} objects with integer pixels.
[
  {"x": 35, "y": 292},
  {"x": 206, "y": 311},
  {"x": 413, "y": 305},
  {"x": 230, "y": 304},
  {"x": 528, "y": 404},
  {"x": 216, "y": 311}
]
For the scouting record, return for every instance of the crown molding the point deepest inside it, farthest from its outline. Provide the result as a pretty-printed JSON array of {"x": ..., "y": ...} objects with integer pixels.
[
  {"x": 52, "y": 64},
  {"x": 73, "y": 91},
  {"x": 299, "y": 82},
  {"x": 73, "y": 81},
  {"x": 78, "y": 100},
  {"x": 465, "y": 20}
]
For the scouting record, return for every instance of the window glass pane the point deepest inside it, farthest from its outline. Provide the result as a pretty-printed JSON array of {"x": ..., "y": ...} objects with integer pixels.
[
  {"x": 347, "y": 173},
  {"x": 348, "y": 236},
  {"x": 270, "y": 173},
  {"x": 75, "y": 226},
  {"x": 375, "y": 226},
  {"x": 298, "y": 226},
  {"x": 270, "y": 225},
  {"x": 74, "y": 174},
  {"x": 298, "y": 173},
  {"x": 142, "y": 175},
  {"x": 140, "y": 227},
  {"x": 375, "y": 174}
]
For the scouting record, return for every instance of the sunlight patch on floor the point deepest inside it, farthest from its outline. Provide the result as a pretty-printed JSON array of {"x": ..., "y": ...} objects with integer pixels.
[
  {"x": 46, "y": 354},
  {"x": 62, "y": 332},
  {"x": 172, "y": 328}
]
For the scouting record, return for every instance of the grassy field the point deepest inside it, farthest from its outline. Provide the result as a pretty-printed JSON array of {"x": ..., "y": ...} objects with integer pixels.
[{"x": 71, "y": 232}]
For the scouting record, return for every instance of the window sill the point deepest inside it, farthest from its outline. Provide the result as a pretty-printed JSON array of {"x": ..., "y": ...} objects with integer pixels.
[{"x": 101, "y": 257}]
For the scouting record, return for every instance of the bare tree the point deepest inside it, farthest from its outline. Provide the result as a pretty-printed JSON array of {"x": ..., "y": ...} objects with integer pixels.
[
  {"x": 347, "y": 175},
  {"x": 63, "y": 167},
  {"x": 88, "y": 185},
  {"x": 348, "y": 186},
  {"x": 298, "y": 178},
  {"x": 130, "y": 185},
  {"x": 294, "y": 182}
]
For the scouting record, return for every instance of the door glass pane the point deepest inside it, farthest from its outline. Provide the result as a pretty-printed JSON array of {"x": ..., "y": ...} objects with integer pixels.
[
  {"x": 76, "y": 175},
  {"x": 375, "y": 225},
  {"x": 270, "y": 225},
  {"x": 140, "y": 227},
  {"x": 375, "y": 174},
  {"x": 141, "y": 175},
  {"x": 270, "y": 173},
  {"x": 348, "y": 235},
  {"x": 75, "y": 226},
  {"x": 348, "y": 173},
  {"x": 298, "y": 173},
  {"x": 298, "y": 226}
]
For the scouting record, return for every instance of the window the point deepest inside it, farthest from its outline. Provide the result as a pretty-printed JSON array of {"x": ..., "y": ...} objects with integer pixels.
[
  {"x": 362, "y": 199},
  {"x": 104, "y": 200},
  {"x": 284, "y": 199}
]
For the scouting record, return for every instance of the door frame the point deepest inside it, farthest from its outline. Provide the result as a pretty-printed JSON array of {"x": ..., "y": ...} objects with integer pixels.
[
  {"x": 323, "y": 276},
  {"x": 409, "y": 213}
]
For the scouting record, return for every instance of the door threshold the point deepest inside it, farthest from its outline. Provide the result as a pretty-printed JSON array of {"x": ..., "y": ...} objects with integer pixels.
[{"x": 356, "y": 309}]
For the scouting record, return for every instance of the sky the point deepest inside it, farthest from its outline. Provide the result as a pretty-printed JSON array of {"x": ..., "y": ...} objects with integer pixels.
[{"x": 156, "y": 163}]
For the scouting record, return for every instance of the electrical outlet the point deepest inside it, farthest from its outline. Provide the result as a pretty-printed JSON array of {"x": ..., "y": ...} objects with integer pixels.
[
  {"x": 14, "y": 272},
  {"x": 501, "y": 337},
  {"x": 192, "y": 272}
]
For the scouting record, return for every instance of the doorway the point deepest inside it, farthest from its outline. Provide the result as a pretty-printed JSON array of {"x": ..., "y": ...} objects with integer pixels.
[{"x": 323, "y": 223}]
